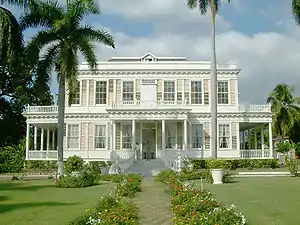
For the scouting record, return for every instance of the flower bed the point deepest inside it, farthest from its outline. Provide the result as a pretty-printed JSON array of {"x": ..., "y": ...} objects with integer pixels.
[
  {"x": 117, "y": 208},
  {"x": 195, "y": 206}
]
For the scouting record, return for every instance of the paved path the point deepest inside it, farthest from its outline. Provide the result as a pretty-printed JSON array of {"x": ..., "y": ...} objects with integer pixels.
[{"x": 153, "y": 203}]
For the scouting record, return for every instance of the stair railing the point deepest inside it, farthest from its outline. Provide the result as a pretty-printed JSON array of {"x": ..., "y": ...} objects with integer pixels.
[
  {"x": 173, "y": 159},
  {"x": 123, "y": 161}
]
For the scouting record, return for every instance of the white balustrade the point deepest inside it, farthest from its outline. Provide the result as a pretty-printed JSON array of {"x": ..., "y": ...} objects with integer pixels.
[
  {"x": 255, "y": 154},
  {"x": 123, "y": 160},
  {"x": 255, "y": 108},
  {"x": 42, "y": 109}
]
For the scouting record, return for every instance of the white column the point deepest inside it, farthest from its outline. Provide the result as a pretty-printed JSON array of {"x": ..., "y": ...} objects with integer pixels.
[
  {"x": 115, "y": 91},
  {"x": 114, "y": 135},
  {"x": 163, "y": 134},
  {"x": 53, "y": 140},
  {"x": 87, "y": 134},
  {"x": 35, "y": 138},
  {"x": 255, "y": 138},
  {"x": 244, "y": 140},
  {"x": 87, "y": 92},
  {"x": 191, "y": 136},
  {"x": 42, "y": 139},
  {"x": 27, "y": 139},
  {"x": 111, "y": 135},
  {"x": 133, "y": 133},
  {"x": 262, "y": 138},
  {"x": 48, "y": 139},
  {"x": 184, "y": 135},
  {"x": 271, "y": 141},
  {"x": 183, "y": 92}
]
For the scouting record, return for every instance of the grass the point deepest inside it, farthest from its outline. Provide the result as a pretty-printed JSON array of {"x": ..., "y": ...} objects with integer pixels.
[
  {"x": 264, "y": 201},
  {"x": 153, "y": 203},
  {"x": 38, "y": 202}
]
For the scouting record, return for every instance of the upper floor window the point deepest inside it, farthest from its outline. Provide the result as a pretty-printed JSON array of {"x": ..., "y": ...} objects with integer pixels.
[
  {"x": 101, "y": 92},
  {"x": 100, "y": 136},
  {"x": 169, "y": 91},
  {"x": 224, "y": 135},
  {"x": 75, "y": 97},
  {"x": 223, "y": 92},
  {"x": 126, "y": 136},
  {"x": 197, "y": 135},
  {"x": 196, "y": 92},
  {"x": 128, "y": 91},
  {"x": 73, "y": 136}
]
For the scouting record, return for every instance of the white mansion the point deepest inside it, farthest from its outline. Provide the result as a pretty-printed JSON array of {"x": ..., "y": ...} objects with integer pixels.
[{"x": 161, "y": 102}]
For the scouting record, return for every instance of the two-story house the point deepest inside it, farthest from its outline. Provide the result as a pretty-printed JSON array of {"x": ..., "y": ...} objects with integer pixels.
[{"x": 158, "y": 102}]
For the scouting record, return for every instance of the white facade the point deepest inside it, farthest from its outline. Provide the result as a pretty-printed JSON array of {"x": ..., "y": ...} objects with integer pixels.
[{"x": 160, "y": 103}]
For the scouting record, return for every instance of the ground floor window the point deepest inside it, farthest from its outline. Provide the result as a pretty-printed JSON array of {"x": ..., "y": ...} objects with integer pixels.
[
  {"x": 224, "y": 135},
  {"x": 197, "y": 135},
  {"x": 126, "y": 136},
  {"x": 73, "y": 136},
  {"x": 100, "y": 136}
]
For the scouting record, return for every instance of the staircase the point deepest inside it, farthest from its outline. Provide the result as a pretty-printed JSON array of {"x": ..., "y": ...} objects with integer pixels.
[{"x": 147, "y": 168}]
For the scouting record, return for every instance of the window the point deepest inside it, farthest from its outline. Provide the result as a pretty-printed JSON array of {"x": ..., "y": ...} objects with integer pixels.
[
  {"x": 128, "y": 91},
  {"x": 197, "y": 136},
  {"x": 101, "y": 92},
  {"x": 126, "y": 136},
  {"x": 169, "y": 91},
  {"x": 171, "y": 129},
  {"x": 223, "y": 94},
  {"x": 100, "y": 136},
  {"x": 224, "y": 136},
  {"x": 75, "y": 97},
  {"x": 73, "y": 136},
  {"x": 196, "y": 92}
]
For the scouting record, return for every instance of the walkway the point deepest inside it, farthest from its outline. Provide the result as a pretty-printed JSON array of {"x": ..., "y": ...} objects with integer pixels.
[{"x": 153, "y": 203}]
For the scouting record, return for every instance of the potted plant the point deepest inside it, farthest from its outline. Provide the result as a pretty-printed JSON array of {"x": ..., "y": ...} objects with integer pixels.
[{"x": 217, "y": 167}]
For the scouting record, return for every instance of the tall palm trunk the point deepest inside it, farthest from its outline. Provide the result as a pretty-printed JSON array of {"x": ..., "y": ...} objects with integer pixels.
[
  {"x": 61, "y": 124},
  {"x": 213, "y": 88}
]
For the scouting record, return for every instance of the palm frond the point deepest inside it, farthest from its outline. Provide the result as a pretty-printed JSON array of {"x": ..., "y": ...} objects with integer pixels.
[
  {"x": 99, "y": 35},
  {"x": 202, "y": 5},
  {"x": 87, "y": 48},
  {"x": 42, "y": 14},
  {"x": 296, "y": 11}
]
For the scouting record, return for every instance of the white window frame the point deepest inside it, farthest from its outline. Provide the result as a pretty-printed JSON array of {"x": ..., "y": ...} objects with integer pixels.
[
  {"x": 201, "y": 136},
  {"x": 67, "y": 135},
  {"x": 202, "y": 91},
  {"x": 107, "y": 91},
  {"x": 228, "y": 82},
  {"x": 175, "y": 91},
  {"x": 80, "y": 93},
  {"x": 105, "y": 137},
  {"x": 229, "y": 134},
  {"x": 121, "y": 138},
  {"x": 171, "y": 124},
  {"x": 134, "y": 89}
]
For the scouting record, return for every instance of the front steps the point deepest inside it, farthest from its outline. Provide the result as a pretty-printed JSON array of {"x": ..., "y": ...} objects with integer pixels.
[{"x": 147, "y": 168}]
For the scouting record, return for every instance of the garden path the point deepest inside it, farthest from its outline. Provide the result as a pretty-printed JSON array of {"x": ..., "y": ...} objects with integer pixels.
[{"x": 153, "y": 203}]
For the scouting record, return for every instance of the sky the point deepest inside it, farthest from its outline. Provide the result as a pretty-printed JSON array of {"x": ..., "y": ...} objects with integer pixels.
[{"x": 259, "y": 36}]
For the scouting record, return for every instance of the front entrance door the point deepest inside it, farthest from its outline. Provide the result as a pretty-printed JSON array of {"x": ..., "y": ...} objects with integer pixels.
[{"x": 149, "y": 140}]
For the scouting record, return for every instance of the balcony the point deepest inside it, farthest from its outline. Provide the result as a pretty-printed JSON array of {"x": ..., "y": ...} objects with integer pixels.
[{"x": 131, "y": 105}]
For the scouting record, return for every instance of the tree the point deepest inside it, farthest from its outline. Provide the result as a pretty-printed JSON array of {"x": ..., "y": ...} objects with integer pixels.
[
  {"x": 296, "y": 11},
  {"x": 285, "y": 108},
  {"x": 63, "y": 37},
  {"x": 214, "y": 5}
]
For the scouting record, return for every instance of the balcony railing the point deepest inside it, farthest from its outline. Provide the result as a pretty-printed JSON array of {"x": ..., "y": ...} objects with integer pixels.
[
  {"x": 255, "y": 108},
  {"x": 151, "y": 105}
]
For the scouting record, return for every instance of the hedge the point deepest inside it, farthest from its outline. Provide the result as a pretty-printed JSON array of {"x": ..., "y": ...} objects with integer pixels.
[{"x": 239, "y": 163}]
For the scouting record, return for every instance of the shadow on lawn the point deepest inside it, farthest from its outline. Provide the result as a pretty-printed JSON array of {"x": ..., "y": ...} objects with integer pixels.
[
  {"x": 3, "y": 198},
  {"x": 10, "y": 207},
  {"x": 21, "y": 186}
]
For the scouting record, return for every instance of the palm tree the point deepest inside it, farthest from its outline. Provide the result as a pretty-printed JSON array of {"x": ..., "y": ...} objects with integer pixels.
[
  {"x": 285, "y": 108},
  {"x": 296, "y": 10},
  {"x": 62, "y": 38},
  {"x": 11, "y": 36},
  {"x": 214, "y": 5}
]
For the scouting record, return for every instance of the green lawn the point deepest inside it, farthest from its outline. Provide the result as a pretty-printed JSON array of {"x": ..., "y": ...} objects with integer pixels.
[
  {"x": 39, "y": 202},
  {"x": 264, "y": 201}
]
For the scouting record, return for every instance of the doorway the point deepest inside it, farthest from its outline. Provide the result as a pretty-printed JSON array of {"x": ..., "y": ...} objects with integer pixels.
[{"x": 148, "y": 140}]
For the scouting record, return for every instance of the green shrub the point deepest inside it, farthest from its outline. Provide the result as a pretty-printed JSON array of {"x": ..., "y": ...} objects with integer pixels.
[
  {"x": 82, "y": 179},
  {"x": 73, "y": 164},
  {"x": 292, "y": 165},
  {"x": 236, "y": 163},
  {"x": 110, "y": 210},
  {"x": 165, "y": 176},
  {"x": 129, "y": 186},
  {"x": 118, "y": 177}
]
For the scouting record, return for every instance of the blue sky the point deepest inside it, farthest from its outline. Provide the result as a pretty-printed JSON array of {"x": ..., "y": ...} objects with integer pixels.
[{"x": 259, "y": 36}]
